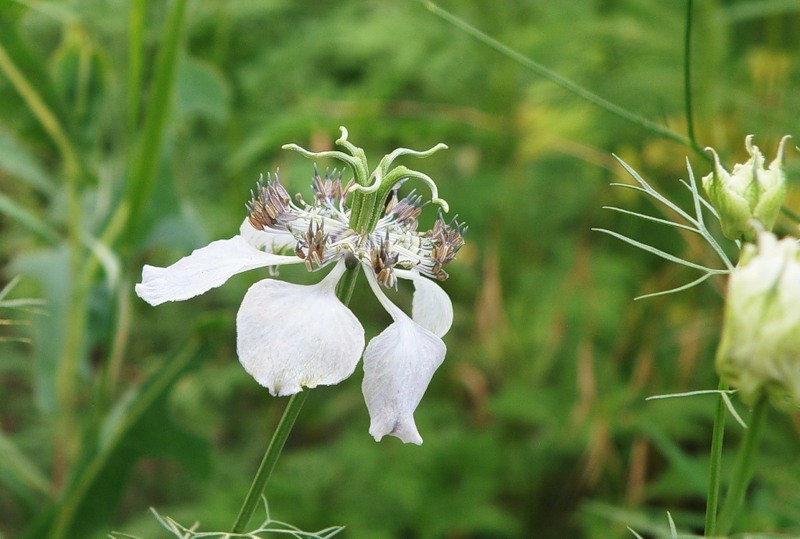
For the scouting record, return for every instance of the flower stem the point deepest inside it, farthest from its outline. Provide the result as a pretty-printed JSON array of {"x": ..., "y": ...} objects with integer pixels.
[
  {"x": 348, "y": 283},
  {"x": 715, "y": 465},
  {"x": 555, "y": 78},
  {"x": 743, "y": 472},
  {"x": 343, "y": 292},
  {"x": 270, "y": 459},
  {"x": 687, "y": 79}
]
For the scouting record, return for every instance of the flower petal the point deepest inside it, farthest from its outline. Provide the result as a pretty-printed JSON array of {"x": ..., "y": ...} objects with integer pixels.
[
  {"x": 270, "y": 241},
  {"x": 398, "y": 366},
  {"x": 432, "y": 308},
  {"x": 293, "y": 336},
  {"x": 204, "y": 269}
]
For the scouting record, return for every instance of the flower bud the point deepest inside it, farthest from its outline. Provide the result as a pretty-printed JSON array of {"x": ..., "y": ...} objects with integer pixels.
[
  {"x": 749, "y": 197},
  {"x": 760, "y": 345}
]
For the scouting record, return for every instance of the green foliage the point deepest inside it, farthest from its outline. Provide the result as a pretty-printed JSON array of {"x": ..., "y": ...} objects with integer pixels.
[
  {"x": 267, "y": 528},
  {"x": 131, "y": 133}
]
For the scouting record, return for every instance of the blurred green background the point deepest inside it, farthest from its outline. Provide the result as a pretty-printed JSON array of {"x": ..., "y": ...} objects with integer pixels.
[{"x": 132, "y": 131}]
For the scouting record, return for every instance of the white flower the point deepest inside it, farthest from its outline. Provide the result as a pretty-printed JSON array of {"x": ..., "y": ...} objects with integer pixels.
[
  {"x": 291, "y": 337},
  {"x": 760, "y": 345}
]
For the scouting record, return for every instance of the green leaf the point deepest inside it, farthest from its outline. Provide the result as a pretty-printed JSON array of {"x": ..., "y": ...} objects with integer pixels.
[
  {"x": 138, "y": 426},
  {"x": 20, "y": 474},
  {"x": 27, "y": 219},
  {"x": 32, "y": 82},
  {"x": 18, "y": 161},
  {"x": 49, "y": 268},
  {"x": 135, "y": 62},
  {"x": 148, "y": 153},
  {"x": 168, "y": 220},
  {"x": 201, "y": 90},
  {"x": 27, "y": 61}
]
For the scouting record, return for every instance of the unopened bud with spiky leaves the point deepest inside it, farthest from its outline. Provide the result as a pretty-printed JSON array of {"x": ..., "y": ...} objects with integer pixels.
[{"x": 750, "y": 196}]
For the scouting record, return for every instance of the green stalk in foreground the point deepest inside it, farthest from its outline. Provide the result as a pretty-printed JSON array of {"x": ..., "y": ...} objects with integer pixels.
[
  {"x": 564, "y": 83},
  {"x": 743, "y": 472},
  {"x": 715, "y": 464},
  {"x": 344, "y": 292},
  {"x": 269, "y": 461}
]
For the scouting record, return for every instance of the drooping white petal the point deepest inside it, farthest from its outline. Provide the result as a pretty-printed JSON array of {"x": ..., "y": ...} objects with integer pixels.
[
  {"x": 293, "y": 336},
  {"x": 431, "y": 308},
  {"x": 204, "y": 269},
  {"x": 270, "y": 241},
  {"x": 398, "y": 366}
]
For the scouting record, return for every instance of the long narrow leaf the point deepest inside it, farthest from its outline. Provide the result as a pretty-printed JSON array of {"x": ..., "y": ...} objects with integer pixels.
[
  {"x": 729, "y": 405},
  {"x": 658, "y": 252},
  {"x": 119, "y": 426},
  {"x": 142, "y": 174},
  {"x": 698, "y": 211},
  {"x": 26, "y": 304},
  {"x": 724, "y": 394},
  {"x": 27, "y": 219},
  {"x": 629, "y": 186},
  {"x": 36, "y": 71},
  {"x": 678, "y": 456},
  {"x": 9, "y": 287},
  {"x": 675, "y": 290},
  {"x": 555, "y": 78},
  {"x": 673, "y": 530},
  {"x": 653, "y": 193},
  {"x": 687, "y": 394},
  {"x": 43, "y": 112},
  {"x": 653, "y": 219},
  {"x": 20, "y": 474},
  {"x": 17, "y": 160},
  {"x": 135, "y": 62},
  {"x": 701, "y": 224},
  {"x": 706, "y": 204}
]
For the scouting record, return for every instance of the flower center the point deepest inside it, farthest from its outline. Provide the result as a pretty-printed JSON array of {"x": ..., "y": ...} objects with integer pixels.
[
  {"x": 378, "y": 229},
  {"x": 322, "y": 230}
]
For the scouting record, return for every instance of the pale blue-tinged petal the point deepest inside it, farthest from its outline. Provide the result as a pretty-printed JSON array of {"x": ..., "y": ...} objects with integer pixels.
[
  {"x": 398, "y": 366},
  {"x": 267, "y": 240},
  {"x": 291, "y": 336},
  {"x": 206, "y": 268},
  {"x": 431, "y": 307}
]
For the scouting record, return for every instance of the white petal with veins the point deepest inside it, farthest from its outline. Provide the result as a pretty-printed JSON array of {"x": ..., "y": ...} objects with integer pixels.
[
  {"x": 291, "y": 336},
  {"x": 206, "y": 268},
  {"x": 431, "y": 308},
  {"x": 398, "y": 366},
  {"x": 269, "y": 240}
]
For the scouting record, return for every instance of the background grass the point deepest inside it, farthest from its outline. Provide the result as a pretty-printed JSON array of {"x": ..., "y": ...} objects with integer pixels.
[{"x": 131, "y": 133}]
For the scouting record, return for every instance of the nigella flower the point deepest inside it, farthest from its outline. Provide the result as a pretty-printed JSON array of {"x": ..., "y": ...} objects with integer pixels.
[{"x": 291, "y": 337}]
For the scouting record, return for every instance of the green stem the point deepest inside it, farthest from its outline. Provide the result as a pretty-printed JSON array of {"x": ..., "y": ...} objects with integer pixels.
[
  {"x": 269, "y": 461},
  {"x": 687, "y": 78},
  {"x": 142, "y": 172},
  {"x": 715, "y": 465},
  {"x": 43, "y": 113},
  {"x": 363, "y": 222},
  {"x": 559, "y": 80},
  {"x": 135, "y": 64},
  {"x": 743, "y": 472},
  {"x": 344, "y": 291}
]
